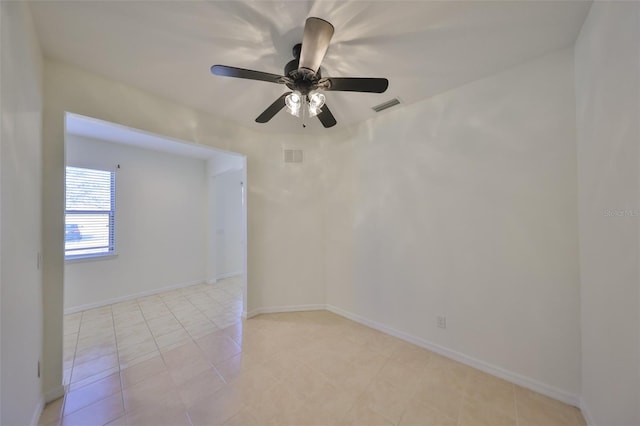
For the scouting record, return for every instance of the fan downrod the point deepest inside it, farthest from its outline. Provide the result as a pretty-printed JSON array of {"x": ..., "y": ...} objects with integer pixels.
[{"x": 304, "y": 81}]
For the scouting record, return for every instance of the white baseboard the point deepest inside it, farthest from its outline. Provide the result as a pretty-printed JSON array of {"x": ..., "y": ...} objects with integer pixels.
[
  {"x": 228, "y": 275},
  {"x": 586, "y": 413},
  {"x": 119, "y": 299},
  {"x": 550, "y": 391},
  {"x": 223, "y": 276},
  {"x": 53, "y": 394},
  {"x": 279, "y": 309},
  {"x": 46, "y": 397},
  {"x": 37, "y": 412}
]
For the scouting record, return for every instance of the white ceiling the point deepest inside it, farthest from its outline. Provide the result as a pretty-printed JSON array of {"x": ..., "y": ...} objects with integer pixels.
[{"x": 422, "y": 47}]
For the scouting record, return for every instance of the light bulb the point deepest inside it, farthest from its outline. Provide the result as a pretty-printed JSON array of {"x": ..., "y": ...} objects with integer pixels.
[
  {"x": 316, "y": 99},
  {"x": 316, "y": 102},
  {"x": 293, "y": 102}
]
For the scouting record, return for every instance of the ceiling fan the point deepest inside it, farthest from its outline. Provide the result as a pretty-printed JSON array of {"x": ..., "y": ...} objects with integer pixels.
[{"x": 303, "y": 77}]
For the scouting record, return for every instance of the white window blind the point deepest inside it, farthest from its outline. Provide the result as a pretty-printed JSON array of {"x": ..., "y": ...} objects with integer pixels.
[{"x": 89, "y": 213}]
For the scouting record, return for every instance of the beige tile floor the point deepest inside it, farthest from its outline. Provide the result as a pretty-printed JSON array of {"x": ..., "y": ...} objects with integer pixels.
[{"x": 185, "y": 357}]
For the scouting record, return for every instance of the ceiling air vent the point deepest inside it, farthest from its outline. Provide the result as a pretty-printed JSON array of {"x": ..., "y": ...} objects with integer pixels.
[
  {"x": 385, "y": 105},
  {"x": 293, "y": 156}
]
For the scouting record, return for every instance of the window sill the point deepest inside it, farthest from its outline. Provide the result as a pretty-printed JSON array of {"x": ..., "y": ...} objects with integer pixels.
[{"x": 91, "y": 258}]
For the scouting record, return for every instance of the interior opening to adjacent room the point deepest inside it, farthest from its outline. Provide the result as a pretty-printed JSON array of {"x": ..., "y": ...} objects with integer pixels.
[{"x": 180, "y": 214}]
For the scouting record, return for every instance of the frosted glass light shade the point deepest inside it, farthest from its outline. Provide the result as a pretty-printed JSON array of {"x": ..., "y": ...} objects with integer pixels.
[
  {"x": 293, "y": 101},
  {"x": 316, "y": 102}
]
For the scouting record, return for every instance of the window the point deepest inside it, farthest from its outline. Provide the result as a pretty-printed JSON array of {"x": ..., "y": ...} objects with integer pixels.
[{"x": 89, "y": 213}]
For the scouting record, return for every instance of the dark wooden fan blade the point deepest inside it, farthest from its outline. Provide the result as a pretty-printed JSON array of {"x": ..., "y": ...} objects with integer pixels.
[
  {"x": 272, "y": 110},
  {"x": 326, "y": 118},
  {"x": 226, "y": 71},
  {"x": 355, "y": 84},
  {"x": 315, "y": 42}
]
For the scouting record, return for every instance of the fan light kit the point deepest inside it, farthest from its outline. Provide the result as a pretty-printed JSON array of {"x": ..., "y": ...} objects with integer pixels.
[
  {"x": 311, "y": 106},
  {"x": 303, "y": 77}
]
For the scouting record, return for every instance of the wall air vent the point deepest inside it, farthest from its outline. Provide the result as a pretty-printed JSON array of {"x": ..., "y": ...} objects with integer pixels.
[
  {"x": 385, "y": 105},
  {"x": 293, "y": 156}
]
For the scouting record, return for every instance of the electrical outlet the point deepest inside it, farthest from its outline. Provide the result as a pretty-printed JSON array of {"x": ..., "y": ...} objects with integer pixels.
[{"x": 441, "y": 321}]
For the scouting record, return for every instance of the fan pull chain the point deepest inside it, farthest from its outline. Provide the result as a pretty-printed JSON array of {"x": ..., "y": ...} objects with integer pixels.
[{"x": 304, "y": 112}]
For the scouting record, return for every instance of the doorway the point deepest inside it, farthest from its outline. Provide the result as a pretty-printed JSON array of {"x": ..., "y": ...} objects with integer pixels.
[{"x": 154, "y": 204}]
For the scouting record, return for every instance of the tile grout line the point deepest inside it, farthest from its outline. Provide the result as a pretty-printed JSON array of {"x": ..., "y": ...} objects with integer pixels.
[
  {"x": 152, "y": 336},
  {"x": 202, "y": 312},
  {"x": 216, "y": 302},
  {"x": 368, "y": 385},
  {"x": 515, "y": 402},
  {"x": 413, "y": 394},
  {"x": 149, "y": 328},
  {"x": 181, "y": 325},
  {"x": 73, "y": 364},
  {"x": 464, "y": 394},
  {"x": 194, "y": 339},
  {"x": 172, "y": 313},
  {"x": 115, "y": 335},
  {"x": 74, "y": 360},
  {"x": 180, "y": 322},
  {"x": 155, "y": 341},
  {"x": 160, "y": 352}
]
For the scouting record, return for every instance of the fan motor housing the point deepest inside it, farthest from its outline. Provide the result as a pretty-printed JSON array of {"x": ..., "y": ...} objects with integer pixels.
[
  {"x": 304, "y": 80},
  {"x": 291, "y": 67}
]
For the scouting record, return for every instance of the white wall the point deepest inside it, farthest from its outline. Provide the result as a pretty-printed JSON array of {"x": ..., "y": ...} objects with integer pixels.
[
  {"x": 285, "y": 248},
  {"x": 228, "y": 223},
  {"x": 221, "y": 163},
  {"x": 465, "y": 205},
  {"x": 607, "y": 63},
  {"x": 20, "y": 217},
  {"x": 161, "y": 225}
]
